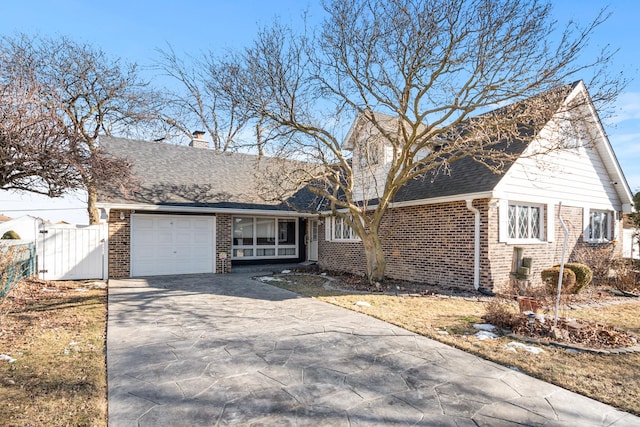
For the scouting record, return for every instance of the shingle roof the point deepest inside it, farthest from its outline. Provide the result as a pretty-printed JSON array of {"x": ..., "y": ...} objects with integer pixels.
[
  {"x": 468, "y": 176},
  {"x": 173, "y": 175}
]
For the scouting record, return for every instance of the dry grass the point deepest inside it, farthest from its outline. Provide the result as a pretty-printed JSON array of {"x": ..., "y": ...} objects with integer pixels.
[
  {"x": 56, "y": 334},
  {"x": 612, "y": 379}
]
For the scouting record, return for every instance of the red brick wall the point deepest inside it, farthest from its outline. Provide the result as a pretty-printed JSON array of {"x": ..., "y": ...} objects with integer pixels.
[
  {"x": 544, "y": 255},
  {"x": 223, "y": 242},
  {"x": 119, "y": 244},
  {"x": 430, "y": 243},
  {"x": 434, "y": 244}
]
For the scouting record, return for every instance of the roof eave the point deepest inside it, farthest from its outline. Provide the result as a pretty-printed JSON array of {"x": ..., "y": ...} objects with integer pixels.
[
  {"x": 201, "y": 209},
  {"x": 433, "y": 200}
]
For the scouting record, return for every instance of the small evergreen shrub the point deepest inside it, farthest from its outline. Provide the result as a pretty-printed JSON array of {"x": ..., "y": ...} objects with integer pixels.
[
  {"x": 550, "y": 277},
  {"x": 10, "y": 235},
  {"x": 583, "y": 273}
]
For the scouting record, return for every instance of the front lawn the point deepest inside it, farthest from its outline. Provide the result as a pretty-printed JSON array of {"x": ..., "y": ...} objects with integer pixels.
[
  {"x": 613, "y": 378},
  {"x": 53, "y": 371}
]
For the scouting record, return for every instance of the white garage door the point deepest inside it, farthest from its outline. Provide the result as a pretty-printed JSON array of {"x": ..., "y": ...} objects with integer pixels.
[{"x": 172, "y": 244}]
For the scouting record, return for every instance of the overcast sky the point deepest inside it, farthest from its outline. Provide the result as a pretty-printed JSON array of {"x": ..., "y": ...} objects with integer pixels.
[{"x": 134, "y": 29}]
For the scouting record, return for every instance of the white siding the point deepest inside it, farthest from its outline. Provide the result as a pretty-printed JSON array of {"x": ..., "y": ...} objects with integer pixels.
[{"x": 575, "y": 177}]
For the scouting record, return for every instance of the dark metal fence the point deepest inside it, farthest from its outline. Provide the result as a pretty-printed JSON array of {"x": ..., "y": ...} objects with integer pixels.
[{"x": 16, "y": 263}]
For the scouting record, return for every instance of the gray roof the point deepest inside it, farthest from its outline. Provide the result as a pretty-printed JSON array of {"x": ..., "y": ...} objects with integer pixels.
[
  {"x": 468, "y": 176},
  {"x": 175, "y": 175}
]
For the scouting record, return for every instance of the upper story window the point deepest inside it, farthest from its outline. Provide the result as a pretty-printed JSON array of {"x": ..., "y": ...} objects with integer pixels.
[
  {"x": 525, "y": 221},
  {"x": 369, "y": 155}
]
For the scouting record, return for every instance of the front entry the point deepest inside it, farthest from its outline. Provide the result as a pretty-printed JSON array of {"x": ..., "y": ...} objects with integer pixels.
[{"x": 313, "y": 240}]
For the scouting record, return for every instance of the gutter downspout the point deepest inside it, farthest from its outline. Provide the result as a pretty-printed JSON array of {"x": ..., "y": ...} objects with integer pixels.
[{"x": 476, "y": 245}]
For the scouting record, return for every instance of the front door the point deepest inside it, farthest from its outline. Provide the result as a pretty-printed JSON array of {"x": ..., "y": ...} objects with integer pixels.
[{"x": 313, "y": 240}]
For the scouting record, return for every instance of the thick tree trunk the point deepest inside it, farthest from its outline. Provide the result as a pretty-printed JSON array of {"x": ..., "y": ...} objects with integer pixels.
[
  {"x": 376, "y": 262},
  {"x": 92, "y": 199}
]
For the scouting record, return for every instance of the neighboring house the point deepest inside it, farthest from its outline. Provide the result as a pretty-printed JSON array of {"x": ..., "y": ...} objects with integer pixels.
[
  {"x": 630, "y": 240},
  {"x": 70, "y": 207},
  {"x": 198, "y": 211},
  {"x": 26, "y": 227}
]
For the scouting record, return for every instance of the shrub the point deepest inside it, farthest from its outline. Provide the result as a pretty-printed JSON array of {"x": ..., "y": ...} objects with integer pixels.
[
  {"x": 583, "y": 273},
  {"x": 550, "y": 278},
  {"x": 626, "y": 278},
  {"x": 599, "y": 258},
  {"x": 10, "y": 235},
  {"x": 502, "y": 315}
]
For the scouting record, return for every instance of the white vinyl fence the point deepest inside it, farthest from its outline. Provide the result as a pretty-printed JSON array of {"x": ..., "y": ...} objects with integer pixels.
[
  {"x": 630, "y": 244},
  {"x": 72, "y": 252}
]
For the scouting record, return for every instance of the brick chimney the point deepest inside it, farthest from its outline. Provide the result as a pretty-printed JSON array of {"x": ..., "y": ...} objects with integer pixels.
[{"x": 198, "y": 141}]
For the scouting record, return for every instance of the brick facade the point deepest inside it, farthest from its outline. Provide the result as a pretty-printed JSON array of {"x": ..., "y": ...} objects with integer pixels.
[
  {"x": 223, "y": 242},
  {"x": 119, "y": 244},
  {"x": 429, "y": 243},
  {"x": 435, "y": 244}
]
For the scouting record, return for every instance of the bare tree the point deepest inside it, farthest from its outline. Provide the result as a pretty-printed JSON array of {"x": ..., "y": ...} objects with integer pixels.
[
  {"x": 83, "y": 93},
  {"x": 417, "y": 75},
  {"x": 34, "y": 155},
  {"x": 205, "y": 100}
]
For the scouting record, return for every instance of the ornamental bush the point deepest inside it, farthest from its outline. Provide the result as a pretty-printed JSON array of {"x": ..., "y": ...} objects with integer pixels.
[
  {"x": 583, "y": 273},
  {"x": 10, "y": 235},
  {"x": 550, "y": 278}
]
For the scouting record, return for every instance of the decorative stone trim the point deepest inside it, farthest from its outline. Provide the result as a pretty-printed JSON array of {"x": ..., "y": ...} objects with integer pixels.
[{"x": 604, "y": 351}]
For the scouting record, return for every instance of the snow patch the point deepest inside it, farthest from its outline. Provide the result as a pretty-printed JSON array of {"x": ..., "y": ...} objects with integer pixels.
[
  {"x": 486, "y": 335},
  {"x": 517, "y": 345},
  {"x": 362, "y": 304},
  {"x": 269, "y": 279},
  {"x": 7, "y": 358}
]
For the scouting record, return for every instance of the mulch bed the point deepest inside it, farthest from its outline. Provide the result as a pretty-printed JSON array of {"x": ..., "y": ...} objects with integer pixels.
[{"x": 575, "y": 333}]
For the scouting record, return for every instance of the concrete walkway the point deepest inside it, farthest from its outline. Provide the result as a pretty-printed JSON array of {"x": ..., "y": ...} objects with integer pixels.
[{"x": 207, "y": 350}]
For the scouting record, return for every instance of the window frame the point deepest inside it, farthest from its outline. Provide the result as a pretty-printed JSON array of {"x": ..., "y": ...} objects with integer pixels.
[
  {"x": 609, "y": 232},
  {"x": 352, "y": 235},
  {"x": 542, "y": 218},
  {"x": 278, "y": 245}
]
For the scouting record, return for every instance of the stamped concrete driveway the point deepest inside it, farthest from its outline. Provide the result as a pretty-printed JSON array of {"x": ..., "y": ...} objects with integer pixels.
[{"x": 207, "y": 350}]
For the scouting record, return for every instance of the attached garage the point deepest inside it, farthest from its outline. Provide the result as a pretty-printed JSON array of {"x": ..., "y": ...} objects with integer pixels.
[{"x": 172, "y": 244}]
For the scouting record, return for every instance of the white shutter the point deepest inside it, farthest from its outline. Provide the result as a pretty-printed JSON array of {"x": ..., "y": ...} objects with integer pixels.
[
  {"x": 503, "y": 221},
  {"x": 551, "y": 222},
  {"x": 327, "y": 228}
]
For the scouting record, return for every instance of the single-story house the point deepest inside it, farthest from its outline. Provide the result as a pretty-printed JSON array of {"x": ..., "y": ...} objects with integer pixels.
[{"x": 198, "y": 211}]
